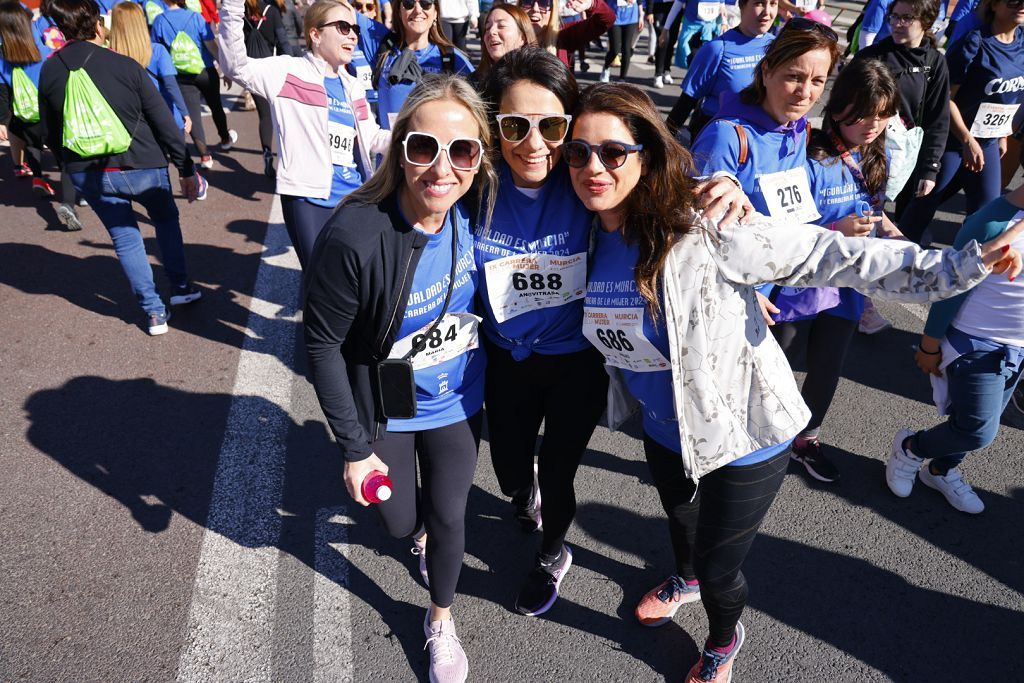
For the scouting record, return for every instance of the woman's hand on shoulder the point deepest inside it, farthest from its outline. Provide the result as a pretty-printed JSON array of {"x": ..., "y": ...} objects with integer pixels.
[{"x": 724, "y": 194}]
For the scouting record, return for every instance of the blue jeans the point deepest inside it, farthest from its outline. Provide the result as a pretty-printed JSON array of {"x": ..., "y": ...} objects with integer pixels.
[
  {"x": 980, "y": 386},
  {"x": 110, "y": 194},
  {"x": 979, "y": 189}
]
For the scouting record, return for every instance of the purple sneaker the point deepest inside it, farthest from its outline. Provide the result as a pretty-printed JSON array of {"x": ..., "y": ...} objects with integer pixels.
[{"x": 541, "y": 588}]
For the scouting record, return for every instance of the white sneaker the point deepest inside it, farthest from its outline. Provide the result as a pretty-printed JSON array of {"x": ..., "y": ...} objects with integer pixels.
[
  {"x": 419, "y": 547},
  {"x": 448, "y": 663},
  {"x": 225, "y": 145},
  {"x": 606, "y": 75},
  {"x": 871, "y": 321},
  {"x": 902, "y": 466},
  {"x": 658, "y": 83},
  {"x": 957, "y": 491},
  {"x": 668, "y": 79}
]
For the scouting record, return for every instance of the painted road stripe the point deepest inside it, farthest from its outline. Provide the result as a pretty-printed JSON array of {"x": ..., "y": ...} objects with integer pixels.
[
  {"x": 332, "y": 632},
  {"x": 230, "y": 621}
]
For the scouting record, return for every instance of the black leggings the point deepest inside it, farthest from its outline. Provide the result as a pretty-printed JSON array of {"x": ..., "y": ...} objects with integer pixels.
[
  {"x": 447, "y": 462},
  {"x": 304, "y": 221},
  {"x": 456, "y": 33},
  {"x": 266, "y": 122},
  {"x": 828, "y": 338},
  {"x": 566, "y": 391},
  {"x": 711, "y": 534},
  {"x": 620, "y": 39},
  {"x": 664, "y": 54},
  {"x": 207, "y": 84},
  {"x": 32, "y": 135}
]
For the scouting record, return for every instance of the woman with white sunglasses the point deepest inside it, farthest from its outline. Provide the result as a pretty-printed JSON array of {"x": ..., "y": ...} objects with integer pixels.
[
  {"x": 391, "y": 333},
  {"x": 533, "y": 260},
  {"x": 327, "y": 137}
]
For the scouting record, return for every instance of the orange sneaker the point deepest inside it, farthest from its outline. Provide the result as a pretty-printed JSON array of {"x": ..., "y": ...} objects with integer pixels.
[
  {"x": 663, "y": 601},
  {"x": 714, "y": 667}
]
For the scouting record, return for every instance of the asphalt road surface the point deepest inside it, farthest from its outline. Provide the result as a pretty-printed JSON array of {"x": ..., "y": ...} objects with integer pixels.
[{"x": 172, "y": 507}]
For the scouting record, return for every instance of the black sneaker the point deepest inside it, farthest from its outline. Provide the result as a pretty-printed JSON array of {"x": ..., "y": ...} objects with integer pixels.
[
  {"x": 268, "y": 164},
  {"x": 540, "y": 591},
  {"x": 812, "y": 456},
  {"x": 185, "y": 294}
]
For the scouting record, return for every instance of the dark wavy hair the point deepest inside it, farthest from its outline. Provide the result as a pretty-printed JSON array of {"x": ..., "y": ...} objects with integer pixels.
[
  {"x": 660, "y": 209},
  {"x": 865, "y": 88}
]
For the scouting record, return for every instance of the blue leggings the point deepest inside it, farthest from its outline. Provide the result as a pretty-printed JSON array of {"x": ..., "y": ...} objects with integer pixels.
[{"x": 980, "y": 189}]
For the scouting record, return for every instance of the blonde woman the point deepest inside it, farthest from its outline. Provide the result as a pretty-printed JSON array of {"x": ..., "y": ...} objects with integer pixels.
[
  {"x": 327, "y": 138},
  {"x": 403, "y": 237},
  {"x": 129, "y": 36}
]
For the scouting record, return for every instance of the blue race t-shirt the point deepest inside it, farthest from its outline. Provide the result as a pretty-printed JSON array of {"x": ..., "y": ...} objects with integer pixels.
[
  {"x": 626, "y": 11},
  {"x": 874, "y": 17},
  {"x": 725, "y": 64},
  {"x": 991, "y": 79},
  {"x": 160, "y": 65},
  {"x": 391, "y": 96},
  {"x": 449, "y": 373},
  {"x": 534, "y": 264},
  {"x": 178, "y": 20},
  {"x": 968, "y": 23},
  {"x": 341, "y": 140},
  {"x": 618, "y": 324},
  {"x": 31, "y": 70}
]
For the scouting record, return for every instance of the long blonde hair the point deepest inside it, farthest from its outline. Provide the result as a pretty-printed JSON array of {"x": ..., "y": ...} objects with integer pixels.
[
  {"x": 547, "y": 37},
  {"x": 129, "y": 33},
  {"x": 389, "y": 176}
]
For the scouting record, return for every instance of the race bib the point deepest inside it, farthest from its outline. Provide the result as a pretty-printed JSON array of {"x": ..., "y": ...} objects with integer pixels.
[
  {"x": 993, "y": 120},
  {"x": 939, "y": 27},
  {"x": 530, "y": 282},
  {"x": 708, "y": 11},
  {"x": 618, "y": 333},
  {"x": 456, "y": 335},
  {"x": 788, "y": 195},
  {"x": 342, "y": 141},
  {"x": 365, "y": 75},
  {"x": 806, "y": 5}
]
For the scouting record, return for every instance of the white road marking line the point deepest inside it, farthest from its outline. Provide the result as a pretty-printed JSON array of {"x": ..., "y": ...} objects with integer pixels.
[
  {"x": 332, "y": 632},
  {"x": 230, "y": 621}
]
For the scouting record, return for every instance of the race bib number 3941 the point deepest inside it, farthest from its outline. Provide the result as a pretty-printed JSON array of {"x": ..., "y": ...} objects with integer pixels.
[
  {"x": 618, "y": 333},
  {"x": 457, "y": 334},
  {"x": 341, "y": 140},
  {"x": 530, "y": 282}
]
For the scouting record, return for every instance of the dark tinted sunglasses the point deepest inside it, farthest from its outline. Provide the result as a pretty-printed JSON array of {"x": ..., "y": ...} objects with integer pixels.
[
  {"x": 423, "y": 149},
  {"x": 611, "y": 153},
  {"x": 516, "y": 127},
  {"x": 344, "y": 28},
  {"x": 805, "y": 24},
  {"x": 425, "y": 5},
  {"x": 368, "y": 6},
  {"x": 543, "y": 5}
]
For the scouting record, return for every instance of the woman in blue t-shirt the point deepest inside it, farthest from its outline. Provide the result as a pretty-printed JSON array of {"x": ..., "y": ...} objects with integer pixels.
[
  {"x": 21, "y": 61},
  {"x": 669, "y": 305},
  {"x": 726, "y": 64},
  {"x": 986, "y": 84},
  {"x": 393, "y": 279},
  {"x": 415, "y": 45},
  {"x": 848, "y": 169},
  {"x": 193, "y": 56},
  {"x": 629, "y": 18}
]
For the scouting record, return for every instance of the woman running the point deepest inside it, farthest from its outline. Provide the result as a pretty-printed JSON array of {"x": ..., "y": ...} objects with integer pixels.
[
  {"x": 973, "y": 348},
  {"x": 986, "y": 76},
  {"x": 265, "y": 35},
  {"x": 326, "y": 136},
  {"x": 20, "y": 66},
  {"x": 190, "y": 41},
  {"x": 848, "y": 168},
  {"x": 565, "y": 41},
  {"x": 415, "y": 46},
  {"x": 726, "y": 64},
  {"x": 391, "y": 301},
  {"x": 629, "y": 19},
  {"x": 670, "y": 303}
]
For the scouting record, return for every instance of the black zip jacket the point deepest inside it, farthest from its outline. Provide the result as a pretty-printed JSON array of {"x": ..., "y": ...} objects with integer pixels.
[
  {"x": 357, "y": 288},
  {"x": 130, "y": 93},
  {"x": 923, "y": 80}
]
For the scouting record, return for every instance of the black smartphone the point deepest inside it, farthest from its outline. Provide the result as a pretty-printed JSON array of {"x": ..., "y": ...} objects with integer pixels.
[{"x": 396, "y": 389}]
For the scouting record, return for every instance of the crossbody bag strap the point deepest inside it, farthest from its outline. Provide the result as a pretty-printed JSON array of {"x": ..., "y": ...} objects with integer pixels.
[{"x": 416, "y": 348}]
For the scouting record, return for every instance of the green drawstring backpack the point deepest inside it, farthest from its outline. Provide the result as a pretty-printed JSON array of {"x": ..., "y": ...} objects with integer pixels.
[
  {"x": 26, "y": 96},
  {"x": 91, "y": 128},
  {"x": 185, "y": 55},
  {"x": 153, "y": 10},
  {"x": 194, "y": 6}
]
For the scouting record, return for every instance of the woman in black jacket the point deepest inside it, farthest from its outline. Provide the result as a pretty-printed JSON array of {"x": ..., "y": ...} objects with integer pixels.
[
  {"x": 265, "y": 36},
  {"x": 390, "y": 297},
  {"x": 923, "y": 82}
]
